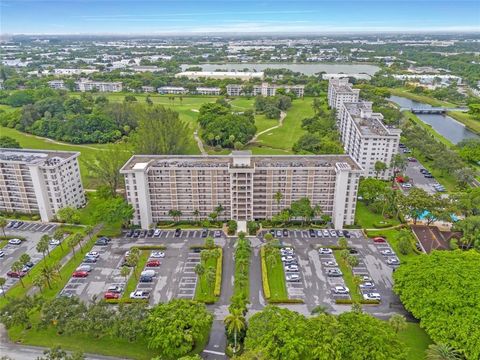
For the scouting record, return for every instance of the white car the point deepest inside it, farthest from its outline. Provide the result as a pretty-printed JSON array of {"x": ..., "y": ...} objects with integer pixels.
[
  {"x": 14, "y": 241},
  {"x": 291, "y": 268},
  {"x": 287, "y": 258},
  {"x": 292, "y": 277},
  {"x": 330, "y": 263},
  {"x": 367, "y": 285},
  {"x": 333, "y": 233},
  {"x": 340, "y": 289},
  {"x": 84, "y": 267},
  {"x": 372, "y": 296},
  {"x": 407, "y": 185},
  {"x": 94, "y": 254},
  {"x": 325, "y": 251},
  {"x": 393, "y": 261},
  {"x": 334, "y": 272},
  {"x": 156, "y": 232},
  {"x": 286, "y": 249},
  {"x": 115, "y": 289},
  {"x": 157, "y": 254},
  {"x": 139, "y": 294},
  {"x": 325, "y": 233},
  {"x": 387, "y": 252},
  {"x": 149, "y": 273},
  {"x": 2, "y": 254},
  {"x": 365, "y": 278},
  {"x": 319, "y": 233},
  {"x": 54, "y": 242},
  {"x": 287, "y": 252}
]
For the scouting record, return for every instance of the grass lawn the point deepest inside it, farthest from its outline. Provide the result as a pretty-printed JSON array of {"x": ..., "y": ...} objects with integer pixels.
[
  {"x": 242, "y": 103},
  {"x": 392, "y": 237},
  {"x": 135, "y": 274},
  {"x": 276, "y": 280},
  {"x": 421, "y": 98},
  {"x": 204, "y": 291},
  {"x": 347, "y": 276},
  {"x": 284, "y": 137},
  {"x": 368, "y": 219},
  {"x": 3, "y": 243},
  {"x": 466, "y": 119},
  {"x": 417, "y": 341},
  {"x": 88, "y": 214},
  {"x": 262, "y": 123}
]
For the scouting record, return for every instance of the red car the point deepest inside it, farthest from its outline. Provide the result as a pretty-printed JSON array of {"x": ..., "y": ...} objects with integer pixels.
[
  {"x": 16, "y": 274},
  {"x": 379, "y": 239},
  {"x": 153, "y": 263},
  {"x": 80, "y": 274},
  {"x": 111, "y": 295}
]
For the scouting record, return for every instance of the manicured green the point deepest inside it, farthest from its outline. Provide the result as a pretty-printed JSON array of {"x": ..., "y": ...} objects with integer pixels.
[
  {"x": 466, "y": 119},
  {"x": 416, "y": 340},
  {"x": 135, "y": 274},
  {"x": 242, "y": 103},
  {"x": 370, "y": 220},
  {"x": 347, "y": 276},
  {"x": 88, "y": 216},
  {"x": 262, "y": 123},
  {"x": 276, "y": 280},
  {"x": 204, "y": 291}
]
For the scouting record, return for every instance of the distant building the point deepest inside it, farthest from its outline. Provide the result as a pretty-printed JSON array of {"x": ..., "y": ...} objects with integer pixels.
[
  {"x": 148, "y": 89},
  {"x": 208, "y": 90},
  {"x": 175, "y": 90},
  {"x": 234, "y": 90},
  {"x": 360, "y": 76},
  {"x": 366, "y": 138},
  {"x": 266, "y": 89},
  {"x": 74, "y": 71},
  {"x": 38, "y": 181},
  {"x": 243, "y": 184},
  {"x": 146, "y": 68},
  {"x": 57, "y": 84},
  {"x": 243, "y": 75},
  {"x": 101, "y": 86},
  {"x": 340, "y": 91}
]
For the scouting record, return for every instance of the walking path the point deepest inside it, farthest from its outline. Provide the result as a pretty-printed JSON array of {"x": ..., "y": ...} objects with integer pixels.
[
  {"x": 199, "y": 142},
  {"x": 283, "y": 114}
]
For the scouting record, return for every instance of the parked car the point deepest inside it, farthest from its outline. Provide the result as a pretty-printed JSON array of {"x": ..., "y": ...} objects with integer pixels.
[
  {"x": 115, "y": 289},
  {"x": 16, "y": 274},
  {"x": 85, "y": 267},
  {"x": 157, "y": 232},
  {"x": 292, "y": 277},
  {"x": 330, "y": 263},
  {"x": 54, "y": 242},
  {"x": 379, "y": 239},
  {"x": 325, "y": 251},
  {"x": 333, "y": 233},
  {"x": 352, "y": 251},
  {"x": 10, "y": 224},
  {"x": 287, "y": 258},
  {"x": 129, "y": 233},
  {"x": 157, "y": 254},
  {"x": 372, "y": 296},
  {"x": 139, "y": 294},
  {"x": 204, "y": 233},
  {"x": 319, "y": 233},
  {"x": 402, "y": 146},
  {"x": 18, "y": 224},
  {"x": 272, "y": 231},
  {"x": 14, "y": 241},
  {"x": 291, "y": 262},
  {"x": 89, "y": 260},
  {"x": 278, "y": 233},
  {"x": 325, "y": 233},
  {"x": 428, "y": 176},
  {"x": 367, "y": 285},
  {"x": 149, "y": 273},
  {"x": 387, "y": 252},
  {"x": 150, "y": 232},
  {"x": 146, "y": 279},
  {"x": 217, "y": 233},
  {"x": 346, "y": 234},
  {"x": 2, "y": 254},
  {"x": 286, "y": 248},
  {"x": 178, "y": 232},
  {"x": 365, "y": 278},
  {"x": 287, "y": 252},
  {"x": 335, "y": 272},
  {"x": 94, "y": 254},
  {"x": 143, "y": 233},
  {"x": 424, "y": 171},
  {"x": 104, "y": 238},
  {"x": 393, "y": 261},
  {"x": 311, "y": 232},
  {"x": 111, "y": 295},
  {"x": 406, "y": 185},
  {"x": 101, "y": 242},
  {"x": 339, "y": 233},
  {"x": 285, "y": 232},
  {"x": 291, "y": 268},
  {"x": 136, "y": 233},
  {"x": 339, "y": 289},
  {"x": 80, "y": 274},
  {"x": 153, "y": 263}
]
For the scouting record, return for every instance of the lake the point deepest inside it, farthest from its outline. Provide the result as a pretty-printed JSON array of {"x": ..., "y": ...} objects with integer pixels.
[
  {"x": 307, "y": 69},
  {"x": 445, "y": 125}
]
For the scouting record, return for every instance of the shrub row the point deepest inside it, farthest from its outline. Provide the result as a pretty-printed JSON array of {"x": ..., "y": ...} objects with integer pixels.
[
  {"x": 286, "y": 301},
  {"x": 151, "y": 247},
  {"x": 382, "y": 225},
  {"x": 218, "y": 273},
  {"x": 8, "y": 237},
  {"x": 125, "y": 301},
  {"x": 266, "y": 286}
]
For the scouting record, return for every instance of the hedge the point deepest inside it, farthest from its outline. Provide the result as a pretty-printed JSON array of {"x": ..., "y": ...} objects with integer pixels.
[
  {"x": 383, "y": 225},
  {"x": 286, "y": 301},
  {"x": 151, "y": 247},
  {"x": 125, "y": 301},
  {"x": 266, "y": 286},
  {"x": 8, "y": 237},
  {"x": 350, "y": 301},
  {"x": 218, "y": 274}
]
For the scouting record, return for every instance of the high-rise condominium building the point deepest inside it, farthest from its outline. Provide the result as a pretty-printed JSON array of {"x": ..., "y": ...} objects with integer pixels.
[
  {"x": 244, "y": 185},
  {"x": 37, "y": 181},
  {"x": 340, "y": 91},
  {"x": 366, "y": 138}
]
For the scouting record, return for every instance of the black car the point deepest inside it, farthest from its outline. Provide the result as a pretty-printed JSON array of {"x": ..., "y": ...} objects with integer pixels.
[
  {"x": 197, "y": 250},
  {"x": 145, "y": 279},
  {"x": 17, "y": 224},
  {"x": 346, "y": 234},
  {"x": 130, "y": 233},
  {"x": 285, "y": 232},
  {"x": 424, "y": 171},
  {"x": 150, "y": 232},
  {"x": 178, "y": 232},
  {"x": 428, "y": 176},
  {"x": 402, "y": 146},
  {"x": 272, "y": 231},
  {"x": 311, "y": 232},
  {"x": 204, "y": 233},
  {"x": 11, "y": 224},
  {"x": 101, "y": 242},
  {"x": 353, "y": 251},
  {"x": 29, "y": 264},
  {"x": 136, "y": 233},
  {"x": 143, "y": 233}
]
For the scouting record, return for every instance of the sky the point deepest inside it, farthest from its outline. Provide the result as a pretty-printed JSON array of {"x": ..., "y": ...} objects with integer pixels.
[{"x": 236, "y": 17}]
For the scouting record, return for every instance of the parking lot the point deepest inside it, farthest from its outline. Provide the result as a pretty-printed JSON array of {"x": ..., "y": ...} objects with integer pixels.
[{"x": 27, "y": 226}]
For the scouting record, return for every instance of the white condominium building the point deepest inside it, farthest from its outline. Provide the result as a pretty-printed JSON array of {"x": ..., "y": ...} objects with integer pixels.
[
  {"x": 207, "y": 90},
  {"x": 243, "y": 184},
  {"x": 234, "y": 90},
  {"x": 101, "y": 86},
  {"x": 340, "y": 91},
  {"x": 176, "y": 90},
  {"x": 270, "y": 89},
  {"x": 39, "y": 182},
  {"x": 366, "y": 138},
  {"x": 57, "y": 85},
  {"x": 242, "y": 75}
]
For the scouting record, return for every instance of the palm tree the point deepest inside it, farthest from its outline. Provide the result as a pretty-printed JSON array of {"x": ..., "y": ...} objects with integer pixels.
[
  {"x": 272, "y": 258},
  {"x": 196, "y": 214},
  {"x": 89, "y": 231},
  {"x": 3, "y": 224},
  {"x": 48, "y": 274},
  {"x": 442, "y": 352},
  {"x": 17, "y": 266},
  {"x": 210, "y": 276},
  {"x": 219, "y": 209},
  {"x": 235, "y": 322},
  {"x": 58, "y": 235},
  {"x": 278, "y": 196},
  {"x": 352, "y": 260},
  {"x": 398, "y": 322},
  {"x": 357, "y": 280},
  {"x": 71, "y": 242},
  {"x": 124, "y": 272},
  {"x": 42, "y": 245},
  {"x": 175, "y": 214},
  {"x": 199, "y": 270},
  {"x": 2, "y": 282},
  {"x": 78, "y": 237},
  {"x": 24, "y": 259},
  {"x": 38, "y": 282}
]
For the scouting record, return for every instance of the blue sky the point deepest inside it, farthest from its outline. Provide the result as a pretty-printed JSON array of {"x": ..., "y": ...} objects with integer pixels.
[{"x": 238, "y": 17}]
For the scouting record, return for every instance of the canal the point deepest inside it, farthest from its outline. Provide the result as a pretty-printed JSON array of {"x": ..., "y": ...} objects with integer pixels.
[{"x": 445, "y": 125}]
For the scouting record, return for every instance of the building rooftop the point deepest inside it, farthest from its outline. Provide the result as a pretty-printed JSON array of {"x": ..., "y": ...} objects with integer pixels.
[
  {"x": 41, "y": 157},
  {"x": 368, "y": 122}
]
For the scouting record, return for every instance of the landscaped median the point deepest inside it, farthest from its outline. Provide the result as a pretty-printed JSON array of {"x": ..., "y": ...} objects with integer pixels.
[{"x": 209, "y": 271}]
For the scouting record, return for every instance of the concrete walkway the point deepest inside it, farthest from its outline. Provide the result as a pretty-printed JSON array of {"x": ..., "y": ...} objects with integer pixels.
[
  {"x": 199, "y": 142},
  {"x": 283, "y": 114}
]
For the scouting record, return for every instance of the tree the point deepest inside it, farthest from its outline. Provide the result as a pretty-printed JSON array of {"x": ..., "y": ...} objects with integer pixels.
[
  {"x": 49, "y": 274},
  {"x": 416, "y": 203},
  {"x": 3, "y": 224},
  {"x": 115, "y": 210},
  {"x": 175, "y": 214},
  {"x": 17, "y": 266},
  {"x": 404, "y": 242},
  {"x": 398, "y": 322},
  {"x": 173, "y": 329},
  {"x": 278, "y": 196},
  {"x": 437, "y": 289},
  {"x": 68, "y": 215},
  {"x": 58, "y": 235},
  {"x": 24, "y": 259},
  {"x": 199, "y": 270},
  {"x": 234, "y": 323},
  {"x": 77, "y": 239},
  {"x": 352, "y": 260},
  {"x": 343, "y": 243},
  {"x": 72, "y": 242},
  {"x": 124, "y": 272},
  {"x": 105, "y": 165},
  {"x": 2, "y": 283},
  {"x": 210, "y": 276},
  {"x": 42, "y": 245},
  {"x": 196, "y": 214},
  {"x": 442, "y": 352},
  {"x": 302, "y": 209},
  {"x": 379, "y": 167},
  {"x": 8, "y": 142},
  {"x": 161, "y": 131},
  {"x": 57, "y": 353}
]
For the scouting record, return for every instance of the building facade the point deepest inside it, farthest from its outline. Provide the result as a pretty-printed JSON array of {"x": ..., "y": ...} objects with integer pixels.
[
  {"x": 367, "y": 139},
  {"x": 340, "y": 91},
  {"x": 175, "y": 90},
  {"x": 37, "y": 181},
  {"x": 234, "y": 90},
  {"x": 57, "y": 85},
  {"x": 208, "y": 91},
  {"x": 243, "y": 184},
  {"x": 266, "y": 89},
  {"x": 101, "y": 86}
]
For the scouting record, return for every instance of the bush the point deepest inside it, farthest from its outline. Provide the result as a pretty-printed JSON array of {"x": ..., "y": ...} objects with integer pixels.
[
  {"x": 252, "y": 227},
  {"x": 266, "y": 286},
  {"x": 286, "y": 301},
  {"x": 232, "y": 227},
  {"x": 152, "y": 247},
  {"x": 218, "y": 274},
  {"x": 383, "y": 224}
]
